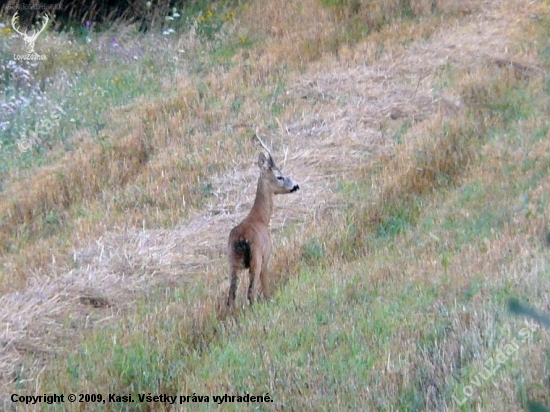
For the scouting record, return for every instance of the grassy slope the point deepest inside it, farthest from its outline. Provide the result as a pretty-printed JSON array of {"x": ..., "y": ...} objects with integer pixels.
[{"x": 393, "y": 300}]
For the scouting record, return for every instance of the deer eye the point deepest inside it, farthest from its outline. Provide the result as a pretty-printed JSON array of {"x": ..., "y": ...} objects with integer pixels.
[{"x": 280, "y": 178}]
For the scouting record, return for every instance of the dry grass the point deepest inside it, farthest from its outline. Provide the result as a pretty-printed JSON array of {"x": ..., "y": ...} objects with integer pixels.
[
  {"x": 407, "y": 111},
  {"x": 138, "y": 163}
]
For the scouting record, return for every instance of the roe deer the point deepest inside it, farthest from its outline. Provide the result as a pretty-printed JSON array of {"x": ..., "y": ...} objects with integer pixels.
[{"x": 249, "y": 244}]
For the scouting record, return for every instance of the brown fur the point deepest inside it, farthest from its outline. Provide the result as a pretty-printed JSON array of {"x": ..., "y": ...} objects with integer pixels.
[{"x": 249, "y": 245}]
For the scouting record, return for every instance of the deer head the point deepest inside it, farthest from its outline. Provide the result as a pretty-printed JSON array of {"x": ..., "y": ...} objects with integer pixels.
[{"x": 272, "y": 176}]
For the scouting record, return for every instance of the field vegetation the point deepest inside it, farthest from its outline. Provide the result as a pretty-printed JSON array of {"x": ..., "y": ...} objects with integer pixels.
[{"x": 419, "y": 134}]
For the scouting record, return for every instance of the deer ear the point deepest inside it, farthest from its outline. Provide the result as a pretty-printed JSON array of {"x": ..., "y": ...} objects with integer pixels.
[{"x": 263, "y": 162}]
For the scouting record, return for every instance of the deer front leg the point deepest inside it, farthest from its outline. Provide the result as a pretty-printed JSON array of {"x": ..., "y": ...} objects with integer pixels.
[{"x": 255, "y": 269}]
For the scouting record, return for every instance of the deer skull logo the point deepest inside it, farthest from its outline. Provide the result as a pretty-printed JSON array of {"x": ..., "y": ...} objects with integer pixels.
[{"x": 29, "y": 39}]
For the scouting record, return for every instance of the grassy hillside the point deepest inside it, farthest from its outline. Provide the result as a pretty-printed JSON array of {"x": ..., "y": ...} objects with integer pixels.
[{"x": 418, "y": 132}]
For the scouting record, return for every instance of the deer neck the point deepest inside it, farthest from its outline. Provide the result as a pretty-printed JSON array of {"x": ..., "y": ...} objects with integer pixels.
[{"x": 263, "y": 204}]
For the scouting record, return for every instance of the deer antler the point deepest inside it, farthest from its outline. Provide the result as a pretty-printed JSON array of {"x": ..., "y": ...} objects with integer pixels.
[
  {"x": 14, "y": 24},
  {"x": 262, "y": 143},
  {"x": 46, "y": 18}
]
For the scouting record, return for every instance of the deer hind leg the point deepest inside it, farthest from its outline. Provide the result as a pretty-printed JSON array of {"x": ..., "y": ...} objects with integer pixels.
[
  {"x": 233, "y": 278},
  {"x": 264, "y": 282}
]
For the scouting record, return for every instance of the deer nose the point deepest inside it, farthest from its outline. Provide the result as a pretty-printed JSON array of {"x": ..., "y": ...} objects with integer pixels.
[{"x": 295, "y": 188}]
